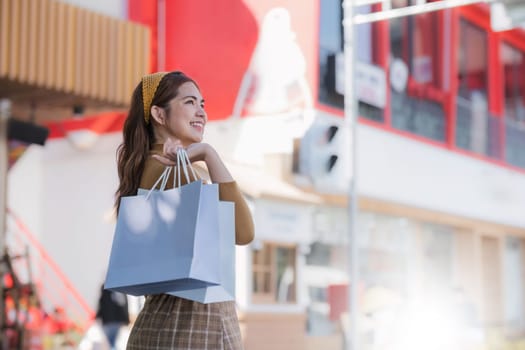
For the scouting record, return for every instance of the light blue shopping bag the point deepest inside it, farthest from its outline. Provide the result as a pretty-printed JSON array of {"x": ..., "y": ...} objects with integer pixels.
[
  {"x": 225, "y": 291},
  {"x": 166, "y": 241}
]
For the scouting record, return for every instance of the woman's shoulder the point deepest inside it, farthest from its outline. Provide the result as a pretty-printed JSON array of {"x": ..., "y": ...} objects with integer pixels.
[{"x": 153, "y": 169}]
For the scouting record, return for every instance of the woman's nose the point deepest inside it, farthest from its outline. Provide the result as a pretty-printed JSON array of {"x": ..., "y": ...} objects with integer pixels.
[{"x": 201, "y": 112}]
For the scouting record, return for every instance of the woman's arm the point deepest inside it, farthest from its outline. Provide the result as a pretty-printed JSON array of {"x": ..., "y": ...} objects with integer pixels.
[
  {"x": 228, "y": 189},
  {"x": 244, "y": 229},
  {"x": 197, "y": 152},
  {"x": 216, "y": 168}
]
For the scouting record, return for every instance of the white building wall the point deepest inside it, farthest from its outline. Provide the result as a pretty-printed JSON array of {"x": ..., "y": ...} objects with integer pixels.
[
  {"x": 78, "y": 194},
  {"x": 406, "y": 171},
  {"x": 25, "y": 188}
]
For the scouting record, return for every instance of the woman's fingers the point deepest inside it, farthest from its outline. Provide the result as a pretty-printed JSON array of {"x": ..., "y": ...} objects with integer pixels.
[
  {"x": 171, "y": 148},
  {"x": 195, "y": 151}
]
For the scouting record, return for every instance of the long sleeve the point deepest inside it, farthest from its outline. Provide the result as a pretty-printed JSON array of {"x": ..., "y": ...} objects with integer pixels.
[{"x": 244, "y": 229}]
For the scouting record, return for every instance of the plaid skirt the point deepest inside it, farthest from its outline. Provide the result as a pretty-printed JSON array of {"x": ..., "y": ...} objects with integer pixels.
[{"x": 168, "y": 322}]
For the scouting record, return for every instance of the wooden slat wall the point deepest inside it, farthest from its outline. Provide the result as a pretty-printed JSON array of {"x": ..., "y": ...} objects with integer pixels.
[
  {"x": 33, "y": 43},
  {"x": 24, "y": 39},
  {"x": 14, "y": 44},
  {"x": 4, "y": 30},
  {"x": 70, "y": 53},
  {"x": 43, "y": 37},
  {"x": 54, "y": 45}
]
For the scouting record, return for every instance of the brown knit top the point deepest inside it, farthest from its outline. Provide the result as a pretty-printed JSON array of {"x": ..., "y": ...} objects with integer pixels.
[{"x": 228, "y": 191}]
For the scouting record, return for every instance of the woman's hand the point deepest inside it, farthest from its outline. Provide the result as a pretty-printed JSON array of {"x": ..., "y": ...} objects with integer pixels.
[
  {"x": 169, "y": 152},
  {"x": 196, "y": 152},
  {"x": 200, "y": 151}
]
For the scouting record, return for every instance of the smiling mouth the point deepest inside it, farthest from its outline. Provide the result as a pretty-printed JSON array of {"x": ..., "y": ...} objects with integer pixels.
[{"x": 197, "y": 125}]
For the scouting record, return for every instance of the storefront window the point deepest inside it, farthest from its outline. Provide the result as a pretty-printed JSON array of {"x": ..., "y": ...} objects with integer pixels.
[
  {"x": 514, "y": 79},
  {"x": 405, "y": 256},
  {"x": 406, "y": 271},
  {"x": 274, "y": 274},
  {"x": 476, "y": 129},
  {"x": 437, "y": 259},
  {"x": 331, "y": 76},
  {"x": 514, "y": 67},
  {"x": 385, "y": 250},
  {"x": 324, "y": 276},
  {"x": 409, "y": 270},
  {"x": 417, "y": 102},
  {"x": 326, "y": 282},
  {"x": 513, "y": 284}
]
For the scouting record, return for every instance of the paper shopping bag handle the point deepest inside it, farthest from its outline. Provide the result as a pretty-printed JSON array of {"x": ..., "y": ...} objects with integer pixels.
[
  {"x": 183, "y": 161},
  {"x": 164, "y": 178}
]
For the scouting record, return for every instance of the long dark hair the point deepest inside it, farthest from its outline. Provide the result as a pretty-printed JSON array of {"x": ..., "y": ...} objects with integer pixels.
[{"x": 138, "y": 136}]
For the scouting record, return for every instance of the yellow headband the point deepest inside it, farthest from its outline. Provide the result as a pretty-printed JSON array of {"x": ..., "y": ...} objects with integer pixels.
[{"x": 150, "y": 84}]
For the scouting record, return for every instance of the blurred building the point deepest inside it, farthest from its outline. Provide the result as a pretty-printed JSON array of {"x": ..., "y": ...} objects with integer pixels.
[{"x": 441, "y": 166}]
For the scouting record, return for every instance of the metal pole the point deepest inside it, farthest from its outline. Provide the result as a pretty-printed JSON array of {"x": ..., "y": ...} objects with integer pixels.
[
  {"x": 351, "y": 114},
  {"x": 412, "y": 10},
  {"x": 358, "y": 3},
  {"x": 5, "y": 110}
]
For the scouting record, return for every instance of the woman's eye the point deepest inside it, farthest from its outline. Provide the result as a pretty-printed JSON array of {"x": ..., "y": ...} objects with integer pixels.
[
  {"x": 190, "y": 102},
  {"x": 202, "y": 105}
]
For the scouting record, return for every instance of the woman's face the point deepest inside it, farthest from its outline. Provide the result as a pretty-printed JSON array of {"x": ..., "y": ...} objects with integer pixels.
[{"x": 185, "y": 118}]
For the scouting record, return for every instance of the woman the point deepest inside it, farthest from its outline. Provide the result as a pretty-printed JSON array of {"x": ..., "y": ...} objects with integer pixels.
[{"x": 166, "y": 113}]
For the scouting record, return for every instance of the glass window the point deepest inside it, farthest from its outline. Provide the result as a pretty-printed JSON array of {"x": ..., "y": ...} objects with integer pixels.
[
  {"x": 406, "y": 275},
  {"x": 406, "y": 256},
  {"x": 417, "y": 102},
  {"x": 331, "y": 77},
  {"x": 330, "y": 44},
  {"x": 476, "y": 129},
  {"x": 514, "y": 76},
  {"x": 262, "y": 272},
  {"x": 325, "y": 281},
  {"x": 385, "y": 250},
  {"x": 513, "y": 284},
  {"x": 437, "y": 261},
  {"x": 514, "y": 80},
  {"x": 274, "y": 274},
  {"x": 491, "y": 274},
  {"x": 472, "y": 61}
]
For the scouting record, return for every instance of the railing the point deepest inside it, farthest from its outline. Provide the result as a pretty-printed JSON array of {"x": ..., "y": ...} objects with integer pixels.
[
  {"x": 477, "y": 130},
  {"x": 482, "y": 133},
  {"x": 515, "y": 142},
  {"x": 53, "y": 287},
  {"x": 419, "y": 116}
]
